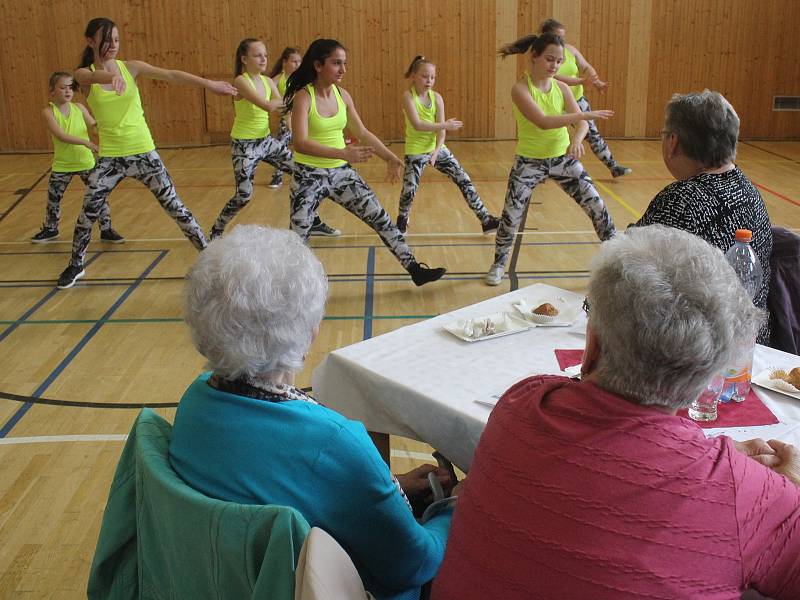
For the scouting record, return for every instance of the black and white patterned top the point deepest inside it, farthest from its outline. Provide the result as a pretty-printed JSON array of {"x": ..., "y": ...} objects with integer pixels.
[{"x": 713, "y": 206}]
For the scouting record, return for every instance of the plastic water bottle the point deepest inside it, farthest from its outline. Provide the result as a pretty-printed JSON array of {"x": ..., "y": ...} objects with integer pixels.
[{"x": 745, "y": 262}]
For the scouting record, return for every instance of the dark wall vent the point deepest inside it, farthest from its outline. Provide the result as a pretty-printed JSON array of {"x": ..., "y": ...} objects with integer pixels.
[{"x": 786, "y": 103}]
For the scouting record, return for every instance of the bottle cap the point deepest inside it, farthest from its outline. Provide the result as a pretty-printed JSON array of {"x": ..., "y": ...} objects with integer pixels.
[{"x": 744, "y": 235}]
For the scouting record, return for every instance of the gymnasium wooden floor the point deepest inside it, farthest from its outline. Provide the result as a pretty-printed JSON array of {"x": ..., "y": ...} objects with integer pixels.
[{"x": 75, "y": 364}]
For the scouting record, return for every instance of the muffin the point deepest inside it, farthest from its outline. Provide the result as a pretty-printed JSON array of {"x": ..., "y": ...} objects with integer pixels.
[{"x": 544, "y": 313}]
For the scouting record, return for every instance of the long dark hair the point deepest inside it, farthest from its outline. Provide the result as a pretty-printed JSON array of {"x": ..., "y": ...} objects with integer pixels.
[
  {"x": 550, "y": 25},
  {"x": 318, "y": 51},
  {"x": 105, "y": 26},
  {"x": 536, "y": 43},
  {"x": 241, "y": 51},
  {"x": 418, "y": 61},
  {"x": 278, "y": 66}
]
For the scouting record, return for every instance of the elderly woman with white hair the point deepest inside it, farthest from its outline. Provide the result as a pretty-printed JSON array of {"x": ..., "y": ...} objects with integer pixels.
[
  {"x": 711, "y": 198},
  {"x": 243, "y": 433},
  {"x": 596, "y": 488}
]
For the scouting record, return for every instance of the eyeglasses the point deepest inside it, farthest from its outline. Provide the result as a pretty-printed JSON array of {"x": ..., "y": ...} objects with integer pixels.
[
  {"x": 665, "y": 132},
  {"x": 586, "y": 305}
]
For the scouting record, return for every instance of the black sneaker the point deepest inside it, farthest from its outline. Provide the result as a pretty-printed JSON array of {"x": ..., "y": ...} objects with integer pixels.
[
  {"x": 490, "y": 224},
  {"x": 70, "y": 275},
  {"x": 276, "y": 181},
  {"x": 45, "y": 235},
  {"x": 111, "y": 236},
  {"x": 620, "y": 171},
  {"x": 402, "y": 223},
  {"x": 422, "y": 273},
  {"x": 324, "y": 229}
]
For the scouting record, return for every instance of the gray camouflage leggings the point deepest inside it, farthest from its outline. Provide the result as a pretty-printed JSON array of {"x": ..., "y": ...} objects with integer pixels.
[
  {"x": 284, "y": 136},
  {"x": 445, "y": 163},
  {"x": 246, "y": 156},
  {"x": 596, "y": 141},
  {"x": 56, "y": 187},
  {"x": 568, "y": 173},
  {"x": 344, "y": 186},
  {"x": 146, "y": 168}
]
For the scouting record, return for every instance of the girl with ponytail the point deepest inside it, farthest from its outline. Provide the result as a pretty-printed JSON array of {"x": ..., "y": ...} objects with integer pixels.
[
  {"x": 423, "y": 110},
  {"x": 543, "y": 107},
  {"x": 320, "y": 112},
  {"x": 126, "y": 146},
  {"x": 576, "y": 72},
  {"x": 286, "y": 64}
]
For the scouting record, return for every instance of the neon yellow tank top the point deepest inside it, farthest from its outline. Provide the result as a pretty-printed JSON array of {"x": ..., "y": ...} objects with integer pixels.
[
  {"x": 570, "y": 68},
  {"x": 534, "y": 142},
  {"x": 69, "y": 158},
  {"x": 251, "y": 122},
  {"x": 282, "y": 83},
  {"x": 120, "y": 119},
  {"x": 328, "y": 131},
  {"x": 421, "y": 142}
]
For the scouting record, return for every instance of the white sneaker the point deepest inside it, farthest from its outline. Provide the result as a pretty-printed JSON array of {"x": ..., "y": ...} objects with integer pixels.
[{"x": 495, "y": 275}]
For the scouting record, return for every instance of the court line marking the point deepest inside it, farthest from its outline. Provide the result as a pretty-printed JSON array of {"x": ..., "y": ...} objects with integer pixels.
[
  {"x": 123, "y": 437},
  {"x": 786, "y": 158},
  {"x": 774, "y": 193},
  {"x": 369, "y": 294},
  {"x": 15, "y": 418},
  {"x": 344, "y": 236},
  {"x": 23, "y": 196},
  {"x": 625, "y": 205}
]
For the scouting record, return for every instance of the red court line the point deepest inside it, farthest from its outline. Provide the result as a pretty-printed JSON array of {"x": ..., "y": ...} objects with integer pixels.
[{"x": 774, "y": 193}]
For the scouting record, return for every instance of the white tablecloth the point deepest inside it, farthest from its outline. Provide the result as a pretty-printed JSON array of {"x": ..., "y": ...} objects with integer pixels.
[{"x": 421, "y": 382}]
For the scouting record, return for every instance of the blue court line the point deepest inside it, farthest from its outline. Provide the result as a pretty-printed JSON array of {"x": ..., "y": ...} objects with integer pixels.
[
  {"x": 39, "y": 304},
  {"x": 15, "y": 418},
  {"x": 458, "y": 245},
  {"x": 369, "y": 293},
  {"x": 47, "y": 285}
]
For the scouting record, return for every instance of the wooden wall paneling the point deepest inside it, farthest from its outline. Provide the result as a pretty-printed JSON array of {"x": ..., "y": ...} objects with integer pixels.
[
  {"x": 604, "y": 43},
  {"x": 505, "y": 71},
  {"x": 648, "y": 50},
  {"x": 638, "y": 68}
]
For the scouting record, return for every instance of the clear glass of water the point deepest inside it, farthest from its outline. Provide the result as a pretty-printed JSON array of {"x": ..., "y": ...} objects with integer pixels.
[{"x": 704, "y": 408}]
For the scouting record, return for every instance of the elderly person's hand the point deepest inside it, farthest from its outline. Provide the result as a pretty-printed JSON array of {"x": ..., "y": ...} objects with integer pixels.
[
  {"x": 759, "y": 450},
  {"x": 786, "y": 460},
  {"x": 415, "y": 482}
]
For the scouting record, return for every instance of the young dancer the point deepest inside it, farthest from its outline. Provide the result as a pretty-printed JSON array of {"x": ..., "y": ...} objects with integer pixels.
[
  {"x": 575, "y": 71},
  {"x": 320, "y": 112},
  {"x": 543, "y": 107},
  {"x": 68, "y": 123},
  {"x": 286, "y": 64},
  {"x": 251, "y": 142},
  {"x": 126, "y": 146},
  {"x": 423, "y": 110}
]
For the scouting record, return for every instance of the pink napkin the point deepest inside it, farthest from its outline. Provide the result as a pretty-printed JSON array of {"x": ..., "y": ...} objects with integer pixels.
[{"x": 749, "y": 413}]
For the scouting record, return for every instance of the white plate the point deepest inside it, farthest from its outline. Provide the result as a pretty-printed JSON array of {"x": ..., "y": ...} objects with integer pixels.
[
  {"x": 763, "y": 380},
  {"x": 568, "y": 305},
  {"x": 505, "y": 324}
]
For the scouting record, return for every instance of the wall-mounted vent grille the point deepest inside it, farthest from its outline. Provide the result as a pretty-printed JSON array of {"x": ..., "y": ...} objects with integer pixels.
[{"x": 786, "y": 103}]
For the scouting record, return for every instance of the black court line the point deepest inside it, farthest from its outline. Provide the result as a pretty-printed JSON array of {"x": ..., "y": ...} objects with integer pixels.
[
  {"x": 24, "y": 192},
  {"x": 104, "y": 405},
  {"x": 512, "y": 267},
  {"x": 771, "y": 152}
]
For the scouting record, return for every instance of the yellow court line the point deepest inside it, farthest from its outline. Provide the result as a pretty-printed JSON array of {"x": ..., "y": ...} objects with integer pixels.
[{"x": 637, "y": 215}]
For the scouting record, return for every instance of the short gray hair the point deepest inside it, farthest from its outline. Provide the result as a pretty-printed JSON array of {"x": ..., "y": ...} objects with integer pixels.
[
  {"x": 706, "y": 125},
  {"x": 253, "y": 301},
  {"x": 668, "y": 311}
]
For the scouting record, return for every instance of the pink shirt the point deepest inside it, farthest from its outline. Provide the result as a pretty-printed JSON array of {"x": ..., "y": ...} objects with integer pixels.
[{"x": 575, "y": 492}]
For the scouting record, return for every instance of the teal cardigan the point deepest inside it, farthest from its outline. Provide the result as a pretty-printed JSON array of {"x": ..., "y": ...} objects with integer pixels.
[
  {"x": 162, "y": 539},
  {"x": 300, "y": 454}
]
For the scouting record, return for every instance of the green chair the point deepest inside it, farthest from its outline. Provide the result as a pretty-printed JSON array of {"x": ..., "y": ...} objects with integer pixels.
[{"x": 162, "y": 539}]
